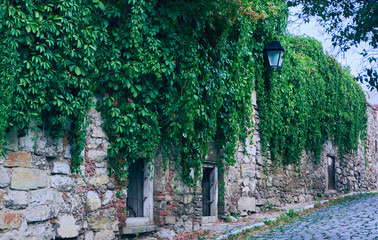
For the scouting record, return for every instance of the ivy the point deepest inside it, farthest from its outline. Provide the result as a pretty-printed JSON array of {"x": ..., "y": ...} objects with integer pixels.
[
  {"x": 311, "y": 100},
  {"x": 170, "y": 77}
]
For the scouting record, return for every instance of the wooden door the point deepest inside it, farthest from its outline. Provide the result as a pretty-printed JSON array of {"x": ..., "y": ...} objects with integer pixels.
[
  {"x": 331, "y": 173},
  {"x": 135, "y": 199}
]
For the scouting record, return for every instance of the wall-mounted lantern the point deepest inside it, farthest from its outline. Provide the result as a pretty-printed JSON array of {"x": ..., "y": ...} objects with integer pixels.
[{"x": 274, "y": 52}]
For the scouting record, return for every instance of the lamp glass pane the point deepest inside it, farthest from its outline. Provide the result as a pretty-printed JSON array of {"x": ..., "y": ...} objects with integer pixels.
[{"x": 273, "y": 57}]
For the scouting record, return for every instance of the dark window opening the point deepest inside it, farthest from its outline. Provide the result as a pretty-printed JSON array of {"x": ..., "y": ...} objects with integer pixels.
[
  {"x": 134, "y": 201},
  {"x": 331, "y": 173},
  {"x": 207, "y": 191}
]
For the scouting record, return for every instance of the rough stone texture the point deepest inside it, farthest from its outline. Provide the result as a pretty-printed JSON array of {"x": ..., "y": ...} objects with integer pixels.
[
  {"x": 10, "y": 220},
  {"x": 39, "y": 162},
  {"x": 166, "y": 234},
  {"x": 104, "y": 235},
  {"x": 25, "y": 179},
  {"x": 4, "y": 177},
  {"x": 107, "y": 197},
  {"x": 66, "y": 227},
  {"x": 247, "y": 204},
  {"x": 47, "y": 146},
  {"x": 60, "y": 167},
  {"x": 97, "y": 156},
  {"x": 93, "y": 201},
  {"x": 41, "y": 197},
  {"x": 100, "y": 223},
  {"x": 37, "y": 214},
  {"x": 18, "y": 159},
  {"x": 92, "y": 205},
  {"x": 16, "y": 200},
  {"x": 12, "y": 140},
  {"x": 61, "y": 183}
]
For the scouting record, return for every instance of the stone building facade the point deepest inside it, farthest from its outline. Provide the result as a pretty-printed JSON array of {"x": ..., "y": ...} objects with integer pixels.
[{"x": 41, "y": 199}]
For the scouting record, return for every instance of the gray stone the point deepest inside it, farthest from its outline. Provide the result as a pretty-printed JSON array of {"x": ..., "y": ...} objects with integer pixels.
[
  {"x": 40, "y": 231},
  {"x": 16, "y": 200},
  {"x": 97, "y": 181},
  {"x": 89, "y": 235},
  {"x": 66, "y": 227},
  {"x": 39, "y": 162},
  {"x": 104, "y": 235},
  {"x": 27, "y": 143},
  {"x": 98, "y": 156},
  {"x": 37, "y": 214},
  {"x": 47, "y": 146},
  {"x": 12, "y": 140},
  {"x": 100, "y": 223},
  {"x": 4, "y": 177},
  {"x": 67, "y": 152},
  {"x": 247, "y": 204},
  {"x": 93, "y": 201},
  {"x": 60, "y": 167},
  {"x": 61, "y": 183},
  {"x": 98, "y": 133},
  {"x": 166, "y": 233},
  {"x": 25, "y": 179},
  {"x": 41, "y": 197},
  {"x": 107, "y": 197}
]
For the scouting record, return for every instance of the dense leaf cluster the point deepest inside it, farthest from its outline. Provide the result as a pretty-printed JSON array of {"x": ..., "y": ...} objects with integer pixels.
[
  {"x": 169, "y": 77},
  {"x": 312, "y": 100}
]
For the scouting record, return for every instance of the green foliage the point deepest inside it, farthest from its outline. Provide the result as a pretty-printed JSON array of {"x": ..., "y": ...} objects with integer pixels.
[
  {"x": 169, "y": 77},
  {"x": 311, "y": 100}
]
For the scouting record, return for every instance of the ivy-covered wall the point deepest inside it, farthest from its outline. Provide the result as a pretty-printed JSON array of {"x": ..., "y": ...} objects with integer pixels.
[{"x": 171, "y": 76}]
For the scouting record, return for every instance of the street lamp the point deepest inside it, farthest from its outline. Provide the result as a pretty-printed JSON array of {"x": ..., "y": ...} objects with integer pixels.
[{"x": 274, "y": 52}]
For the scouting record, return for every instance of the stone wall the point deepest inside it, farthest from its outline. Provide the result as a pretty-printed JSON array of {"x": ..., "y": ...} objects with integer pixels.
[
  {"x": 253, "y": 184},
  {"x": 41, "y": 199}
]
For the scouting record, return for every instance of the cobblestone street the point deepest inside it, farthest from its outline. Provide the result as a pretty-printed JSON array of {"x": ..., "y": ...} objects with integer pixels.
[{"x": 353, "y": 219}]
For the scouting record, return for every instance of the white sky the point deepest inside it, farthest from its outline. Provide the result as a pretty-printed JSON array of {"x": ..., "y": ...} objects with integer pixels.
[{"x": 351, "y": 58}]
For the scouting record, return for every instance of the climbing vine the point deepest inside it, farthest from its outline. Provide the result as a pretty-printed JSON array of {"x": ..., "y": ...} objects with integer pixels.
[
  {"x": 169, "y": 77},
  {"x": 313, "y": 99}
]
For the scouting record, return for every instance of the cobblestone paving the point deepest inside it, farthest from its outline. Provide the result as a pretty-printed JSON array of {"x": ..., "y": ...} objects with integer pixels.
[{"x": 353, "y": 219}]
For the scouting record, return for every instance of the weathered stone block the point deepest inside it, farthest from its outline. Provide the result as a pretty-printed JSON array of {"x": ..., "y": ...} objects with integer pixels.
[
  {"x": 41, "y": 197},
  {"x": 97, "y": 156},
  {"x": 60, "y": 167},
  {"x": 16, "y": 200},
  {"x": 4, "y": 177},
  {"x": 107, "y": 197},
  {"x": 89, "y": 235},
  {"x": 66, "y": 227},
  {"x": 104, "y": 235},
  {"x": 18, "y": 159},
  {"x": 93, "y": 201},
  {"x": 39, "y": 162},
  {"x": 10, "y": 221},
  {"x": 98, "y": 133},
  {"x": 61, "y": 183},
  {"x": 97, "y": 181},
  {"x": 25, "y": 179},
  {"x": 247, "y": 204},
  {"x": 47, "y": 146},
  {"x": 37, "y": 214},
  {"x": 248, "y": 170},
  {"x": 100, "y": 223}
]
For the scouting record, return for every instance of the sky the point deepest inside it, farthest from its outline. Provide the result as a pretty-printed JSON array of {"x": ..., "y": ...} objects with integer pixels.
[{"x": 351, "y": 58}]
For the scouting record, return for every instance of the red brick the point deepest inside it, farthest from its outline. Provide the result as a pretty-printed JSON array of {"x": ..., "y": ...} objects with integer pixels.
[
  {"x": 18, "y": 159},
  {"x": 10, "y": 220},
  {"x": 163, "y": 213}
]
